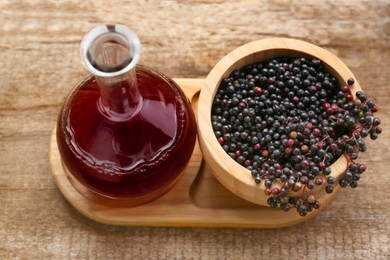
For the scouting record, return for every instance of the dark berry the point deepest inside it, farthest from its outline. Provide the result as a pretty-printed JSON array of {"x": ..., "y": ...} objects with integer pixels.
[
  {"x": 350, "y": 81},
  {"x": 329, "y": 189},
  {"x": 343, "y": 183},
  {"x": 331, "y": 180}
]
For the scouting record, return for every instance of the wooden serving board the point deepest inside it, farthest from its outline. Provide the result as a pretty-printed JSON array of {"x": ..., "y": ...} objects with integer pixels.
[{"x": 197, "y": 200}]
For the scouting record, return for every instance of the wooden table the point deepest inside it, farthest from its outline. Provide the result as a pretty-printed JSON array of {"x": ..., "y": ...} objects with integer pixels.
[{"x": 39, "y": 57}]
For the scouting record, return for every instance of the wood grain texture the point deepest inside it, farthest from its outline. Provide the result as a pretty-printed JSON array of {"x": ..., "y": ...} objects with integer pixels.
[{"x": 40, "y": 63}]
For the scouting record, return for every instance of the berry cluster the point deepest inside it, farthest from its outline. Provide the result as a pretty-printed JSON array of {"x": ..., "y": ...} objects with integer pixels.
[{"x": 288, "y": 119}]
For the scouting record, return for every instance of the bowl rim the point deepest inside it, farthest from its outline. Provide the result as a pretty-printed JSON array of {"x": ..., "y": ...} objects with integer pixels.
[{"x": 232, "y": 175}]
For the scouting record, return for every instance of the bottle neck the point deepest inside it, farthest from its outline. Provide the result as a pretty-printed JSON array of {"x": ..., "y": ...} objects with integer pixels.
[
  {"x": 119, "y": 96},
  {"x": 110, "y": 53}
]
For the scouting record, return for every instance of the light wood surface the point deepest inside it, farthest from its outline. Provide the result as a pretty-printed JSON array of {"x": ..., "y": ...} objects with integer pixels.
[
  {"x": 40, "y": 63},
  {"x": 194, "y": 201},
  {"x": 234, "y": 177}
]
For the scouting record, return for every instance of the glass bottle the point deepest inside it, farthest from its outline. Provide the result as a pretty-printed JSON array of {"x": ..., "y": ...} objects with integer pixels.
[{"x": 126, "y": 132}]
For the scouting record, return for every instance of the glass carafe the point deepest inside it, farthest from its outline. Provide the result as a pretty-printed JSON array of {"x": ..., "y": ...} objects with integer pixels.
[{"x": 126, "y": 132}]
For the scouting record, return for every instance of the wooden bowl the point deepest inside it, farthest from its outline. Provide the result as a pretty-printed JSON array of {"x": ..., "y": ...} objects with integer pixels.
[{"x": 231, "y": 174}]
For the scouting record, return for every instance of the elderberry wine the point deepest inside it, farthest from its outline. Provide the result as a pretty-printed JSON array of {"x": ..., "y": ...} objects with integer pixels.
[{"x": 132, "y": 157}]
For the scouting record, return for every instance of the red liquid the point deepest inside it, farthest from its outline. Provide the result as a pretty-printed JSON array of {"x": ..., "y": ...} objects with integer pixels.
[{"x": 127, "y": 158}]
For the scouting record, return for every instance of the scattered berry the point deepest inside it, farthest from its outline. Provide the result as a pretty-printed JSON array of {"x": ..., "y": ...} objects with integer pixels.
[{"x": 350, "y": 81}]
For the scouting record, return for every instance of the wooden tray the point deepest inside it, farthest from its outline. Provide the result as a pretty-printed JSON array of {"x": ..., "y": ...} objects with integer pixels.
[{"x": 197, "y": 200}]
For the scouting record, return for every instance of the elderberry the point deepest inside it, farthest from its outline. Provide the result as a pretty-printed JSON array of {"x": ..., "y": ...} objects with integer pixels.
[{"x": 288, "y": 120}]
